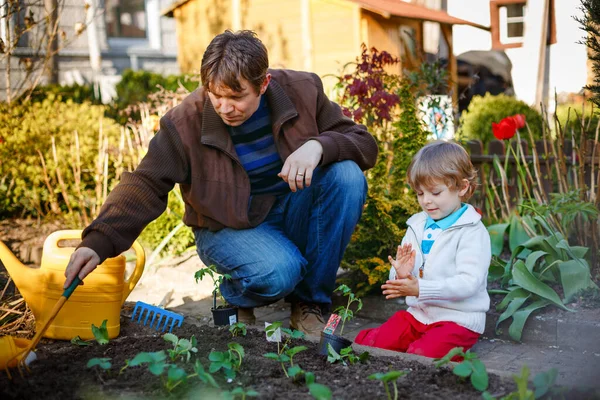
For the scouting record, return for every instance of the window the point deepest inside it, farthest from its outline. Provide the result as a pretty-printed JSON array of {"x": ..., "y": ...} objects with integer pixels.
[
  {"x": 512, "y": 23},
  {"x": 126, "y": 19},
  {"x": 508, "y": 23}
]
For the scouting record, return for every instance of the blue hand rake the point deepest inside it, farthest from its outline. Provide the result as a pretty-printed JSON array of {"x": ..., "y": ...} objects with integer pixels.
[{"x": 158, "y": 314}]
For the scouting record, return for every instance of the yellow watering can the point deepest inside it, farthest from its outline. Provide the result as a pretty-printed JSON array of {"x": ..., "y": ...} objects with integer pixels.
[{"x": 101, "y": 297}]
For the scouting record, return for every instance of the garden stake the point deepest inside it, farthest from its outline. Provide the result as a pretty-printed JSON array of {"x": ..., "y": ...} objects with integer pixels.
[
  {"x": 38, "y": 335},
  {"x": 171, "y": 317}
]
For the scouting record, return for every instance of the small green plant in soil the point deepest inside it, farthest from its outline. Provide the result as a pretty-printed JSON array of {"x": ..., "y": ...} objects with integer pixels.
[
  {"x": 543, "y": 383},
  {"x": 181, "y": 347},
  {"x": 386, "y": 378},
  {"x": 237, "y": 329},
  {"x": 285, "y": 353},
  {"x": 217, "y": 280},
  {"x": 229, "y": 361},
  {"x": 471, "y": 367},
  {"x": 346, "y": 313},
  {"x": 102, "y": 363},
  {"x": 100, "y": 335},
  {"x": 345, "y": 355},
  {"x": 240, "y": 393}
]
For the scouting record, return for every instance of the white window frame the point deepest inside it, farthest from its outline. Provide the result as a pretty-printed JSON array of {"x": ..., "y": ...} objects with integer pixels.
[
  {"x": 504, "y": 20},
  {"x": 153, "y": 38}
]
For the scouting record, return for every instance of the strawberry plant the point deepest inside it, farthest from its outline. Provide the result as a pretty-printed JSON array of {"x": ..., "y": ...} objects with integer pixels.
[{"x": 471, "y": 367}]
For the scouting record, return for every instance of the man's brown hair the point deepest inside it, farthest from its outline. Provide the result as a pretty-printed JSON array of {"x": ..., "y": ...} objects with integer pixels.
[
  {"x": 442, "y": 162},
  {"x": 230, "y": 56}
]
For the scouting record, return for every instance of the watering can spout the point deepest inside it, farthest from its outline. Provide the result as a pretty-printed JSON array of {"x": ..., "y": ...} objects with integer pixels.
[{"x": 27, "y": 279}]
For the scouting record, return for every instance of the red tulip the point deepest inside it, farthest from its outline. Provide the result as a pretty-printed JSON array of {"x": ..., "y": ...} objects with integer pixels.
[
  {"x": 507, "y": 127},
  {"x": 519, "y": 120}
]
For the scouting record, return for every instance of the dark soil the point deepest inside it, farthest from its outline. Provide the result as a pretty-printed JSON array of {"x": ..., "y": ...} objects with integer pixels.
[{"x": 60, "y": 371}]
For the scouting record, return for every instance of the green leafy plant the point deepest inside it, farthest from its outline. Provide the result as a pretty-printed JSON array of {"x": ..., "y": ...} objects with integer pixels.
[
  {"x": 285, "y": 353},
  {"x": 156, "y": 361},
  {"x": 217, "y": 280},
  {"x": 229, "y": 361},
  {"x": 319, "y": 391},
  {"x": 102, "y": 363},
  {"x": 239, "y": 328},
  {"x": 386, "y": 379},
  {"x": 385, "y": 103},
  {"x": 345, "y": 312},
  {"x": 543, "y": 383},
  {"x": 101, "y": 333},
  {"x": 471, "y": 367},
  {"x": 346, "y": 354},
  {"x": 536, "y": 264},
  {"x": 181, "y": 347}
]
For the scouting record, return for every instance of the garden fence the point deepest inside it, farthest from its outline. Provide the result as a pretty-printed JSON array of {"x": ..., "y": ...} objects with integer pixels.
[{"x": 552, "y": 159}]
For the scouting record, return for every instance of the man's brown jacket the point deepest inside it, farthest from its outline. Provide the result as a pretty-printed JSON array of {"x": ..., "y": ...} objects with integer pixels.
[{"x": 194, "y": 149}]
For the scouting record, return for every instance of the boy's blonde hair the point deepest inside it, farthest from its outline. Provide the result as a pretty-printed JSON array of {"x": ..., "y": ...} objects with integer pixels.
[{"x": 442, "y": 162}]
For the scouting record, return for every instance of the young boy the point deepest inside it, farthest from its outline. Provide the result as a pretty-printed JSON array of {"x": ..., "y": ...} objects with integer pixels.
[{"x": 442, "y": 264}]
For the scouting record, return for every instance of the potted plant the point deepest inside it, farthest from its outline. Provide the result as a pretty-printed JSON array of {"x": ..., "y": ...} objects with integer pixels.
[
  {"x": 342, "y": 313},
  {"x": 224, "y": 314}
]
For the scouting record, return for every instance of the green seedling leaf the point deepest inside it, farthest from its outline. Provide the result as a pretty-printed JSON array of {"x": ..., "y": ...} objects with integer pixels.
[
  {"x": 332, "y": 355},
  {"x": 463, "y": 369},
  {"x": 103, "y": 363},
  {"x": 457, "y": 351},
  {"x": 479, "y": 376},
  {"x": 204, "y": 376},
  {"x": 319, "y": 392},
  {"x": 156, "y": 361},
  {"x": 544, "y": 381},
  {"x": 237, "y": 348},
  {"x": 79, "y": 342},
  {"x": 387, "y": 377},
  {"x": 171, "y": 338},
  {"x": 295, "y": 350},
  {"x": 309, "y": 378},
  {"x": 239, "y": 328},
  {"x": 100, "y": 333},
  {"x": 295, "y": 370}
]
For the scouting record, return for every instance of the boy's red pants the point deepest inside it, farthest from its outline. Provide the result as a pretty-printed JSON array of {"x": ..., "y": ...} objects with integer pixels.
[{"x": 402, "y": 332}]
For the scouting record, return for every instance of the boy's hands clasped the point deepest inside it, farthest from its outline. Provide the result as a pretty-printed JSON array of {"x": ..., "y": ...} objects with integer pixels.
[{"x": 405, "y": 283}]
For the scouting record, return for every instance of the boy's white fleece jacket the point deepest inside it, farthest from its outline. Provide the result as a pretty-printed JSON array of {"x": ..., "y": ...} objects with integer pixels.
[{"x": 454, "y": 283}]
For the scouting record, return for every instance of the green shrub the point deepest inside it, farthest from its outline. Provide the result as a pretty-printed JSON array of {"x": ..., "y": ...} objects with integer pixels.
[
  {"x": 76, "y": 93},
  {"x": 26, "y": 134},
  {"x": 135, "y": 86},
  {"x": 476, "y": 121},
  {"x": 572, "y": 113}
]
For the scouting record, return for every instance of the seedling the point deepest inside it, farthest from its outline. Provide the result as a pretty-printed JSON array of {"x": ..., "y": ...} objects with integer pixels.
[
  {"x": 217, "y": 280},
  {"x": 100, "y": 333},
  {"x": 284, "y": 352},
  {"x": 391, "y": 376},
  {"x": 319, "y": 391},
  {"x": 156, "y": 361},
  {"x": 181, "y": 347},
  {"x": 346, "y": 313},
  {"x": 346, "y": 354},
  {"x": 102, "y": 363},
  {"x": 239, "y": 328},
  {"x": 240, "y": 393},
  {"x": 471, "y": 367},
  {"x": 229, "y": 361},
  {"x": 542, "y": 382},
  {"x": 80, "y": 342}
]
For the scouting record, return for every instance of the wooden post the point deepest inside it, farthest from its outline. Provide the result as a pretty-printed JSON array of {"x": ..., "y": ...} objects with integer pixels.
[{"x": 452, "y": 67}]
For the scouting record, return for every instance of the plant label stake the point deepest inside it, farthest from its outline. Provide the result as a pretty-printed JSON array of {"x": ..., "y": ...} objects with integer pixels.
[
  {"x": 275, "y": 337},
  {"x": 333, "y": 322}
]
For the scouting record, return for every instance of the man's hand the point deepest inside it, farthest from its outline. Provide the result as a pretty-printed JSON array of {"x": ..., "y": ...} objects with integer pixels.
[
  {"x": 401, "y": 287},
  {"x": 299, "y": 166},
  {"x": 404, "y": 262},
  {"x": 83, "y": 261}
]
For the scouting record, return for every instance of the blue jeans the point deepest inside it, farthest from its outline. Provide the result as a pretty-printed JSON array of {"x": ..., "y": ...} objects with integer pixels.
[{"x": 295, "y": 253}]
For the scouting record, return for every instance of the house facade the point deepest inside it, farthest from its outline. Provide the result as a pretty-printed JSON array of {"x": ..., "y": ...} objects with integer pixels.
[
  {"x": 119, "y": 34},
  {"x": 315, "y": 35},
  {"x": 540, "y": 37}
]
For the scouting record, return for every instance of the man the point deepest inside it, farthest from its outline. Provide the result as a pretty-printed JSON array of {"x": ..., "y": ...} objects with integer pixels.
[{"x": 270, "y": 171}]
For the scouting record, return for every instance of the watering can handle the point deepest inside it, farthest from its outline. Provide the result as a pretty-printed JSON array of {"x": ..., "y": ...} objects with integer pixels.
[{"x": 137, "y": 272}]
